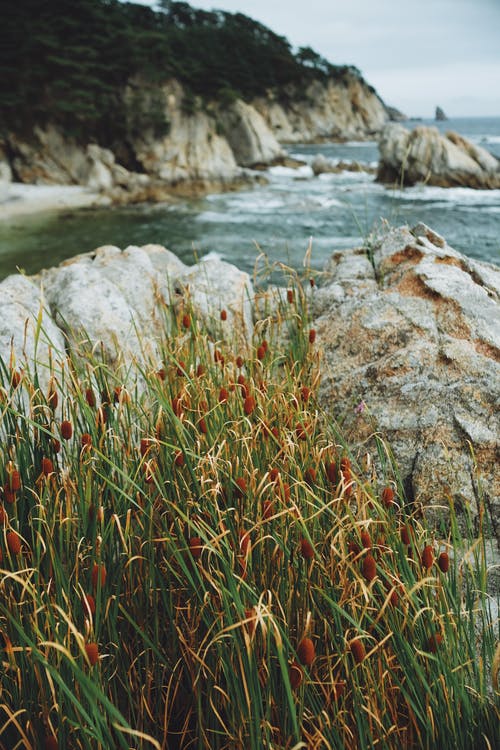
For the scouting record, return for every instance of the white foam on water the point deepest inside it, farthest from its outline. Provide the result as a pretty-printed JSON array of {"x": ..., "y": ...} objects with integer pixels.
[
  {"x": 302, "y": 172},
  {"x": 458, "y": 195},
  {"x": 212, "y": 255}
]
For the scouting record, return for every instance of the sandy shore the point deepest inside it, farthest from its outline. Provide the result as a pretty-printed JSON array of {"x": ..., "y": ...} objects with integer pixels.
[{"x": 19, "y": 199}]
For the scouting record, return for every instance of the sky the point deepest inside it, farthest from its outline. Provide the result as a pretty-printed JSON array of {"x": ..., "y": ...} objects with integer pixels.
[{"x": 417, "y": 53}]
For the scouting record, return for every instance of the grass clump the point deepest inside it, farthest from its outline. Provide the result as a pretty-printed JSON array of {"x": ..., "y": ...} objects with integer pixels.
[{"x": 201, "y": 562}]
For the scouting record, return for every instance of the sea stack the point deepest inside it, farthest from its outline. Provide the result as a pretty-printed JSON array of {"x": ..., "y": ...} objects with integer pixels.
[{"x": 440, "y": 115}]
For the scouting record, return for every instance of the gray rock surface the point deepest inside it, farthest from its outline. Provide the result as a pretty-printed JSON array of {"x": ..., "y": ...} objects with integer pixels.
[
  {"x": 113, "y": 302},
  {"x": 250, "y": 138},
  {"x": 411, "y": 335},
  {"x": 27, "y": 333},
  {"x": 425, "y": 155}
]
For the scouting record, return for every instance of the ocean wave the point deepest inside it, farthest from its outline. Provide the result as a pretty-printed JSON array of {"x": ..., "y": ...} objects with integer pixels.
[{"x": 460, "y": 195}]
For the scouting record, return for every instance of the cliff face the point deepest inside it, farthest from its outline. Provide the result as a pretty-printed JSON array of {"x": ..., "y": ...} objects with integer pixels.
[
  {"x": 346, "y": 109},
  {"x": 208, "y": 145}
]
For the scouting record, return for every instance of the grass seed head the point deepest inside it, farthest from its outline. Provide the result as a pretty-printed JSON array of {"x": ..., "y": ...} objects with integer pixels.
[
  {"x": 296, "y": 675},
  {"x": 98, "y": 572},
  {"x": 13, "y": 542},
  {"x": 369, "y": 568},
  {"x": 427, "y": 557},
  {"x": 357, "y": 650},
  {"x": 387, "y": 496},
  {"x": 92, "y": 652},
  {"x": 444, "y": 562},
  {"x": 306, "y": 652},
  {"x": 66, "y": 430},
  {"x": 306, "y": 549}
]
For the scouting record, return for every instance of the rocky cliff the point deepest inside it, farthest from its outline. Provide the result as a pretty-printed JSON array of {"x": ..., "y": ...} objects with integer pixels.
[{"x": 208, "y": 145}]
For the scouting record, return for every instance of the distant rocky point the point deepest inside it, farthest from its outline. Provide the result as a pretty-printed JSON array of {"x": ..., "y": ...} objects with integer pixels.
[
  {"x": 425, "y": 155},
  {"x": 440, "y": 115},
  {"x": 395, "y": 115}
]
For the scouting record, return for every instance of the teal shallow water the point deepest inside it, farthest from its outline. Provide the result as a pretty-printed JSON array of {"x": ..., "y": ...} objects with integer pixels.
[{"x": 279, "y": 219}]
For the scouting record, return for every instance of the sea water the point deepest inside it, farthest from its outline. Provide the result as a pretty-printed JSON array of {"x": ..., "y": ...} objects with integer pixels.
[{"x": 279, "y": 220}]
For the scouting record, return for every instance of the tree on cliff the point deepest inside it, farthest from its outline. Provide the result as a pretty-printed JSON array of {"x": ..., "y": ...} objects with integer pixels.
[{"x": 73, "y": 64}]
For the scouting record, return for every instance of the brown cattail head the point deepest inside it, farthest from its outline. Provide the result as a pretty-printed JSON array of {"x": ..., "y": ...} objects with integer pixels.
[
  {"x": 56, "y": 445},
  {"x": 312, "y": 336},
  {"x": 13, "y": 542},
  {"x": 202, "y": 426},
  {"x": 250, "y": 615},
  {"x": 296, "y": 674},
  {"x": 306, "y": 549},
  {"x": 444, "y": 562},
  {"x": 261, "y": 352},
  {"x": 195, "y": 546},
  {"x": 200, "y": 370},
  {"x": 305, "y": 392},
  {"x": 86, "y": 440},
  {"x": 366, "y": 540},
  {"x": 289, "y": 295},
  {"x": 90, "y": 397},
  {"x": 179, "y": 459},
  {"x": 427, "y": 557},
  {"x": 223, "y": 396},
  {"x": 306, "y": 651},
  {"x": 186, "y": 320},
  {"x": 369, "y": 567},
  {"x": 223, "y": 315},
  {"x": 387, "y": 496},
  {"x": 239, "y": 362},
  {"x": 405, "y": 534},
  {"x": 92, "y": 653},
  {"x": 434, "y": 642},
  {"x": 66, "y": 430},
  {"x": 181, "y": 368},
  {"x": 357, "y": 650},
  {"x": 47, "y": 466},
  {"x": 273, "y": 474},
  {"x": 241, "y": 487},
  {"x": 52, "y": 399},
  {"x": 50, "y": 743},
  {"x": 98, "y": 575},
  {"x": 13, "y": 480},
  {"x": 88, "y": 603},
  {"x": 331, "y": 471},
  {"x": 249, "y": 405}
]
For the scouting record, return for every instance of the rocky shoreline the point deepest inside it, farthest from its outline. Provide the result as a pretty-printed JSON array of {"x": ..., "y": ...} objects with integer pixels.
[
  {"x": 409, "y": 328},
  {"x": 215, "y": 147}
]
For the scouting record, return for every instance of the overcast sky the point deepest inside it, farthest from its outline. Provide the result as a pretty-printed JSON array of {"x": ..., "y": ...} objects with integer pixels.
[{"x": 417, "y": 53}]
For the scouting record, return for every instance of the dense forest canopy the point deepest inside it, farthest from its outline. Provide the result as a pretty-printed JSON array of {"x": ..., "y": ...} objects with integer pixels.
[{"x": 75, "y": 64}]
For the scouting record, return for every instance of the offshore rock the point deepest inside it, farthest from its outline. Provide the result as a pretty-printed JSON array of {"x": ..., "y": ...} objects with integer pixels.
[
  {"x": 425, "y": 155},
  {"x": 411, "y": 335}
]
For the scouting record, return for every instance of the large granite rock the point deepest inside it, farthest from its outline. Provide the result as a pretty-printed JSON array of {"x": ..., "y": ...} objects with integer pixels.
[
  {"x": 425, "y": 155},
  {"x": 411, "y": 334},
  {"x": 112, "y": 302},
  {"x": 27, "y": 333}
]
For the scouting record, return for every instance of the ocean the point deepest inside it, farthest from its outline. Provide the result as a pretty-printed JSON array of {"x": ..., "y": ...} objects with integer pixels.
[{"x": 280, "y": 219}]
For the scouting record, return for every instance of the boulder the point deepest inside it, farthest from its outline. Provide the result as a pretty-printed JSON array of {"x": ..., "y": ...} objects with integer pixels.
[
  {"x": 112, "y": 302},
  {"x": 425, "y": 155},
  {"x": 250, "y": 138},
  {"x": 411, "y": 335},
  {"x": 29, "y": 339}
]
